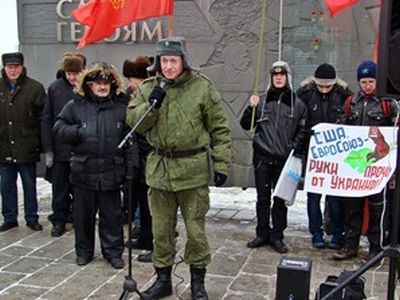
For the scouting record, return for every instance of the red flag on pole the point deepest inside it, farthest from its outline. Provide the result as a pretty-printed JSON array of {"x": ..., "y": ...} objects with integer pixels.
[
  {"x": 102, "y": 17},
  {"x": 336, "y": 6}
]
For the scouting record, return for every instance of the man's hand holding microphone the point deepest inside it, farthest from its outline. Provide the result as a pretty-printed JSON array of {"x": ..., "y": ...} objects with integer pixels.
[{"x": 157, "y": 95}]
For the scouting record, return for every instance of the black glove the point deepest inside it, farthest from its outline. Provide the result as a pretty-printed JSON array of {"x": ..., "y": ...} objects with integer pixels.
[
  {"x": 219, "y": 179},
  {"x": 157, "y": 94}
]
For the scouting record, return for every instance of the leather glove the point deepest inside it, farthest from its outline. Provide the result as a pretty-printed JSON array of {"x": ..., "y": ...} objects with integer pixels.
[
  {"x": 49, "y": 159},
  {"x": 219, "y": 179},
  {"x": 157, "y": 94}
]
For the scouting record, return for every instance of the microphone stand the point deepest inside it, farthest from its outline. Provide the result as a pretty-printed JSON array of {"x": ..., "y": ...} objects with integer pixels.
[{"x": 130, "y": 284}]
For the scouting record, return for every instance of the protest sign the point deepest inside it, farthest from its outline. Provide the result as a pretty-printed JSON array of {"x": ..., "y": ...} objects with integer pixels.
[{"x": 353, "y": 161}]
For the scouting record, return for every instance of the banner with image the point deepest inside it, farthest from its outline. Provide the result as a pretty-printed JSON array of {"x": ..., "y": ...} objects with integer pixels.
[{"x": 353, "y": 161}]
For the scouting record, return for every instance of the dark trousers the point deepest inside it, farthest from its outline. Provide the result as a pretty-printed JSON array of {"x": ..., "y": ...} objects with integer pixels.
[
  {"x": 336, "y": 214},
  {"x": 9, "y": 192},
  {"x": 146, "y": 235},
  {"x": 266, "y": 176},
  {"x": 62, "y": 193},
  {"x": 353, "y": 218},
  {"x": 86, "y": 204},
  {"x": 139, "y": 199}
]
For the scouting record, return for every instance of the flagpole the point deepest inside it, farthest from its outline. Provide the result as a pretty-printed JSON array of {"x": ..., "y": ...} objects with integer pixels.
[
  {"x": 259, "y": 59},
  {"x": 280, "y": 30},
  {"x": 170, "y": 26}
]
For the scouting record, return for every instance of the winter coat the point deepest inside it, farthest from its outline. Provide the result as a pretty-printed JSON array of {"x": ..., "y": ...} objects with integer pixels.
[
  {"x": 20, "y": 113},
  {"x": 191, "y": 117},
  {"x": 94, "y": 130},
  {"x": 367, "y": 110},
  {"x": 324, "y": 108},
  {"x": 60, "y": 92},
  {"x": 280, "y": 121}
]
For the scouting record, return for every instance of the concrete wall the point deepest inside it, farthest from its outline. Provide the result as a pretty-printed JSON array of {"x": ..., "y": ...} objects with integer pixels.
[{"x": 223, "y": 39}]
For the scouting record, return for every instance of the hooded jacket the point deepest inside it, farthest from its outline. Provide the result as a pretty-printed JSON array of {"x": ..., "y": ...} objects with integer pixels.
[
  {"x": 94, "y": 130},
  {"x": 20, "y": 113}
]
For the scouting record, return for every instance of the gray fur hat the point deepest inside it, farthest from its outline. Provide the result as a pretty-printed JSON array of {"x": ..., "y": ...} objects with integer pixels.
[
  {"x": 277, "y": 67},
  {"x": 171, "y": 46}
]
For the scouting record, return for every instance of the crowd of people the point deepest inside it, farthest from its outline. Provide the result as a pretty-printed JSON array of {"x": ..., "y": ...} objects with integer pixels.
[{"x": 182, "y": 141}]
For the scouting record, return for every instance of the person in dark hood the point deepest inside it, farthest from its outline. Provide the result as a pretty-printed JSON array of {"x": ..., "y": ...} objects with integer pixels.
[
  {"x": 21, "y": 105},
  {"x": 280, "y": 120},
  {"x": 57, "y": 154},
  {"x": 324, "y": 94},
  {"x": 94, "y": 125}
]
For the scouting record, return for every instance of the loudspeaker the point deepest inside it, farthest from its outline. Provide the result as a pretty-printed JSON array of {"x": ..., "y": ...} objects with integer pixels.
[
  {"x": 388, "y": 77},
  {"x": 293, "y": 279}
]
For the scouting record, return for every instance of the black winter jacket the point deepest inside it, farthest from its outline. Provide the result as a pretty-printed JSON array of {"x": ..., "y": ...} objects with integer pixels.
[
  {"x": 280, "y": 126},
  {"x": 324, "y": 108},
  {"x": 367, "y": 110},
  {"x": 20, "y": 113},
  {"x": 59, "y": 93},
  {"x": 94, "y": 129}
]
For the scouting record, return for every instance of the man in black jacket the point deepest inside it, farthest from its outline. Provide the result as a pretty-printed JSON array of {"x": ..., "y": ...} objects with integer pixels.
[
  {"x": 280, "y": 119},
  {"x": 21, "y": 105},
  {"x": 324, "y": 95},
  {"x": 57, "y": 154},
  {"x": 94, "y": 125},
  {"x": 366, "y": 109}
]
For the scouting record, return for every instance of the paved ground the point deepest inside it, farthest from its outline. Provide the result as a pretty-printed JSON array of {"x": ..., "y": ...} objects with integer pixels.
[{"x": 34, "y": 265}]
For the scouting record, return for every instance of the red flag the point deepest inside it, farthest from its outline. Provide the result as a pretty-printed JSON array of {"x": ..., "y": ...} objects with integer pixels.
[
  {"x": 102, "y": 17},
  {"x": 336, "y": 6}
]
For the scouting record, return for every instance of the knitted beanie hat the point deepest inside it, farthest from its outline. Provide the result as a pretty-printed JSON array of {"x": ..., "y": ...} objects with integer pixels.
[
  {"x": 325, "y": 75},
  {"x": 367, "y": 69}
]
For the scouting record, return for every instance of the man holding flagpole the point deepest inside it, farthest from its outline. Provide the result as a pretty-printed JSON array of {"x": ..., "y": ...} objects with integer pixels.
[{"x": 188, "y": 130}]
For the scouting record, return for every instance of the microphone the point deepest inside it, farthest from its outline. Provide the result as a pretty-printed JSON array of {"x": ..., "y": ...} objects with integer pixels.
[{"x": 164, "y": 82}]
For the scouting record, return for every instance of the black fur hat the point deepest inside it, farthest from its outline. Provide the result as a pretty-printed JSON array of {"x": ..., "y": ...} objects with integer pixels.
[
  {"x": 15, "y": 58},
  {"x": 136, "y": 68}
]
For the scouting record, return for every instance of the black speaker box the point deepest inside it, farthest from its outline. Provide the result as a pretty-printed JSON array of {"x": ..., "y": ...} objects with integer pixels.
[{"x": 293, "y": 279}]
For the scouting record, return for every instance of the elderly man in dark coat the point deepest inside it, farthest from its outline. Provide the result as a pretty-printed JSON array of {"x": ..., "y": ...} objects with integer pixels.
[{"x": 21, "y": 105}]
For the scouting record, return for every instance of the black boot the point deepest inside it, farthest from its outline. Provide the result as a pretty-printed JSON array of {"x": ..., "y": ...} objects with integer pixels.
[
  {"x": 197, "y": 283},
  {"x": 162, "y": 287}
]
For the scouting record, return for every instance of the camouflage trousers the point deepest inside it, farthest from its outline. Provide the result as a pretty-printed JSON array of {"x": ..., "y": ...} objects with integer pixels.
[{"x": 194, "y": 204}]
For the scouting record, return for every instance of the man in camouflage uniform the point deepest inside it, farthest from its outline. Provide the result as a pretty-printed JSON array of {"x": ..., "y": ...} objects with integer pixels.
[{"x": 186, "y": 126}]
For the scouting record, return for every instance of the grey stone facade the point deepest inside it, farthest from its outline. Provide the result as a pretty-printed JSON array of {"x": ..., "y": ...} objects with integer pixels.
[{"x": 223, "y": 39}]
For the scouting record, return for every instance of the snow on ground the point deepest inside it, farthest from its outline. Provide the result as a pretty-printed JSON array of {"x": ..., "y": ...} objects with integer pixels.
[{"x": 237, "y": 198}]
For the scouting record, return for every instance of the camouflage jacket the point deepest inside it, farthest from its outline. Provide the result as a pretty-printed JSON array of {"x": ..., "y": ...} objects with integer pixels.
[{"x": 191, "y": 117}]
